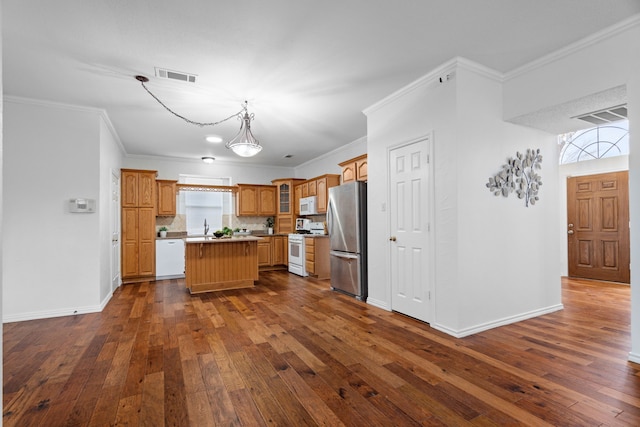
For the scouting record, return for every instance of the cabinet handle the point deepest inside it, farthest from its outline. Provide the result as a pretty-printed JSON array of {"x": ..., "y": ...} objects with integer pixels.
[{"x": 201, "y": 245}]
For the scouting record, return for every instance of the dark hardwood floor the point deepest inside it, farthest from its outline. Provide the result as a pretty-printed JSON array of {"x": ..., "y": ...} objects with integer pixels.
[{"x": 290, "y": 352}]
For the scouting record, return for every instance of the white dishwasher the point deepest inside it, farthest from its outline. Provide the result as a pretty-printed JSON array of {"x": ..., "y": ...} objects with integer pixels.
[{"x": 169, "y": 258}]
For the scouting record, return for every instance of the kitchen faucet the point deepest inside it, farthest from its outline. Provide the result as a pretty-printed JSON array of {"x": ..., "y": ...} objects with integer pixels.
[{"x": 206, "y": 227}]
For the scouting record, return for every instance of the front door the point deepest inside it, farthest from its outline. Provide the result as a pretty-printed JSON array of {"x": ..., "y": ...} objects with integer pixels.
[
  {"x": 115, "y": 230},
  {"x": 598, "y": 226},
  {"x": 409, "y": 203}
]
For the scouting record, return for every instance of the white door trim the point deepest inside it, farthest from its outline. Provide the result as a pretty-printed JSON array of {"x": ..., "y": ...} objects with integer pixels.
[{"x": 115, "y": 231}]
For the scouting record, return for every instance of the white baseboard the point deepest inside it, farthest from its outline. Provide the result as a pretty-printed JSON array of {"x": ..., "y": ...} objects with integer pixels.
[
  {"x": 378, "y": 303},
  {"x": 634, "y": 357},
  {"x": 461, "y": 333},
  {"x": 47, "y": 314}
]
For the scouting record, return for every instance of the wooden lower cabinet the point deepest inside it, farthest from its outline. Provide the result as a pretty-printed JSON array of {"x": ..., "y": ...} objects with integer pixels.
[
  {"x": 280, "y": 253},
  {"x": 138, "y": 243},
  {"x": 264, "y": 252},
  {"x": 272, "y": 251},
  {"x": 317, "y": 257}
]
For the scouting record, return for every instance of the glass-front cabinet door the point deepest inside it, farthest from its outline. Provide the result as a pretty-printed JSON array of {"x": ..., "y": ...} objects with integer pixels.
[{"x": 284, "y": 199}]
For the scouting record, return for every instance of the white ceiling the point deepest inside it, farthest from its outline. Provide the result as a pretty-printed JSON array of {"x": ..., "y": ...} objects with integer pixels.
[{"x": 308, "y": 68}]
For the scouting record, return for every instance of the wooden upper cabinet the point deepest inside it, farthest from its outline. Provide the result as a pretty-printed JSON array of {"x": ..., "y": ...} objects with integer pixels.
[
  {"x": 147, "y": 193},
  {"x": 313, "y": 188},
  {"x": 297, "y": 195},
  {"x": 129, "y": 183},
  {"x": 288, "y": 203},
  {"x": 355, "y": 169},
  {"x": 323, "y": 184},
  {"x": 267, "y": 200},
  {"x": 138, "y": 188},
  {"x": 166, "y": 197},
  {"x": 320, "y": 187},
  {"x": 256, "y": 200},
  {"x": 304, "y": 188},
  {"x": 247, "y": 200},
  {"x": 285, "y": 196}
]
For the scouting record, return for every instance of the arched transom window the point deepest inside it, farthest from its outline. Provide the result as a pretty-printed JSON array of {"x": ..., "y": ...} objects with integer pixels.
[{"x": 596, "y": 143}]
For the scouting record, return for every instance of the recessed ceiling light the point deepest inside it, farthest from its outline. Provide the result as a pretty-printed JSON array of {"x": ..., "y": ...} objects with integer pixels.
[
  {"x": 287, "y": 156},
  {"x": 208, "y": 159},
  {"x": 213, "y": 138}
]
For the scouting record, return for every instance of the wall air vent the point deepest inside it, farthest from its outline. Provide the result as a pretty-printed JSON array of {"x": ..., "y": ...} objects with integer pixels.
[
  {"x": 605, "y": 116},
  {"x": 175, "y": 75}
]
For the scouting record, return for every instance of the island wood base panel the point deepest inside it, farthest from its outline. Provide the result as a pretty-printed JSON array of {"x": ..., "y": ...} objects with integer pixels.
[
  {"x": 221, "y": 286},
  {"x": 220, "y": 266}
]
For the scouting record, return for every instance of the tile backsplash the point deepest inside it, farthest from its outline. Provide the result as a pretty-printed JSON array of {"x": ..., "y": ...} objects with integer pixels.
[{"x": 179, "y": 222}]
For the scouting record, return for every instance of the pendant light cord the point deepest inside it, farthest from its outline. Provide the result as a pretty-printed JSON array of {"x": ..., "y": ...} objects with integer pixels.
[{"x": 143, "y": 80}]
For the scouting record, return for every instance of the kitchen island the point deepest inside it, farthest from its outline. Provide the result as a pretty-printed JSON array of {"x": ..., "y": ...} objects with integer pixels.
[{"x": 213, "y": 264}]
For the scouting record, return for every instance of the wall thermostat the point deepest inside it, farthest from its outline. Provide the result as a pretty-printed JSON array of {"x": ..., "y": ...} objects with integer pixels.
[{"x": 82, "y": 205}]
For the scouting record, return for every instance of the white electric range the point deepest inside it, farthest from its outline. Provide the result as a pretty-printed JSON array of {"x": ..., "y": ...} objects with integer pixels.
[{"x": 297, "y": 249}]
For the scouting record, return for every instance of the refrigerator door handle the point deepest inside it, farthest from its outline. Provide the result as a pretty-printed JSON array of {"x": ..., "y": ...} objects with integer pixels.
[
  {"x": 329, "y": 217},
  {"x": 343, "y": 255}
]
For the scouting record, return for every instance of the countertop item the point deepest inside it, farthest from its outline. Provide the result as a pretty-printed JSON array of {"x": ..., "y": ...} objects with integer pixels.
[
  {"x": 211, "y": 239},
  {"x": 183, "y": 235}
]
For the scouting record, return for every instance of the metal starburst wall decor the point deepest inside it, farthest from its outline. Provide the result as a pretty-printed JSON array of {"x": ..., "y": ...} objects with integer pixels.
[{"x": 519, "y": 175}]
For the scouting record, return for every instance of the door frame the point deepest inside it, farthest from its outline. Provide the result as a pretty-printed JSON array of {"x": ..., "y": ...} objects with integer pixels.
[
  {"x": 115, "y": 222},
  {"x": 427, "y": 142}
]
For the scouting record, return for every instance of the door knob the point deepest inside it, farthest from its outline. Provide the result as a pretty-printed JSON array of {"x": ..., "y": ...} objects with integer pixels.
[
  {"x": 570, "y": 232},
  {"x": 392, "y": 238},
  {"x": 570, "y": 225}
]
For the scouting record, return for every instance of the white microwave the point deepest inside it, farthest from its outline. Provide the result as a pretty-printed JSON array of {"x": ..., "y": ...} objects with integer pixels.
[{"x": 308, "y": 206}]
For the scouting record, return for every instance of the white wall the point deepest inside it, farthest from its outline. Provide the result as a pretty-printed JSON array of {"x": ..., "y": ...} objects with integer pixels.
[
  {"x": 412, "y": 113},
  {"x": 633, "y": 91},
  {"x": 600, "y": 62},
  {"x": 1, "y": 208},
  {"x": 329, "y": 162},
  {"x": 508, "y": 259},
  {"x": 238, "y": 172},
  {"x": 603, "y": 61},
  {"x": 111, "y": 157},
  {"x": 479, "y": 280},
  {"x": 51, "y": 155}
]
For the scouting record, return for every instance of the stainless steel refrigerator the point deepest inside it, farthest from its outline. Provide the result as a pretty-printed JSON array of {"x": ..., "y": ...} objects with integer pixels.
[{"x": 347, "y": 226}]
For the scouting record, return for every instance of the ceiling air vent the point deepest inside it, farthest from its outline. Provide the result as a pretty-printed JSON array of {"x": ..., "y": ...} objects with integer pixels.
[
  {"x": 607, "y": 115},
  {"x": 175, "y": 75}
]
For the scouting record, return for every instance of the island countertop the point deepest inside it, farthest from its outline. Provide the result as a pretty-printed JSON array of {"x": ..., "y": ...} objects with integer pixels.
[{"x": 212, "y": 239}]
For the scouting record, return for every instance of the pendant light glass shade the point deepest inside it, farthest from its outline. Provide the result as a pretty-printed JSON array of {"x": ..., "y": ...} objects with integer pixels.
[{"x": 244, "y": 144}]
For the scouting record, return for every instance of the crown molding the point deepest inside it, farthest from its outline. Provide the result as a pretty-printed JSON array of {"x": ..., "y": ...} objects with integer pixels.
[
  {"x": 334, "y": 151},
  {"x": 216, "y": 162},
  {"x": 584, "y": 43},
  {"x": 445, "y": 71}
]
